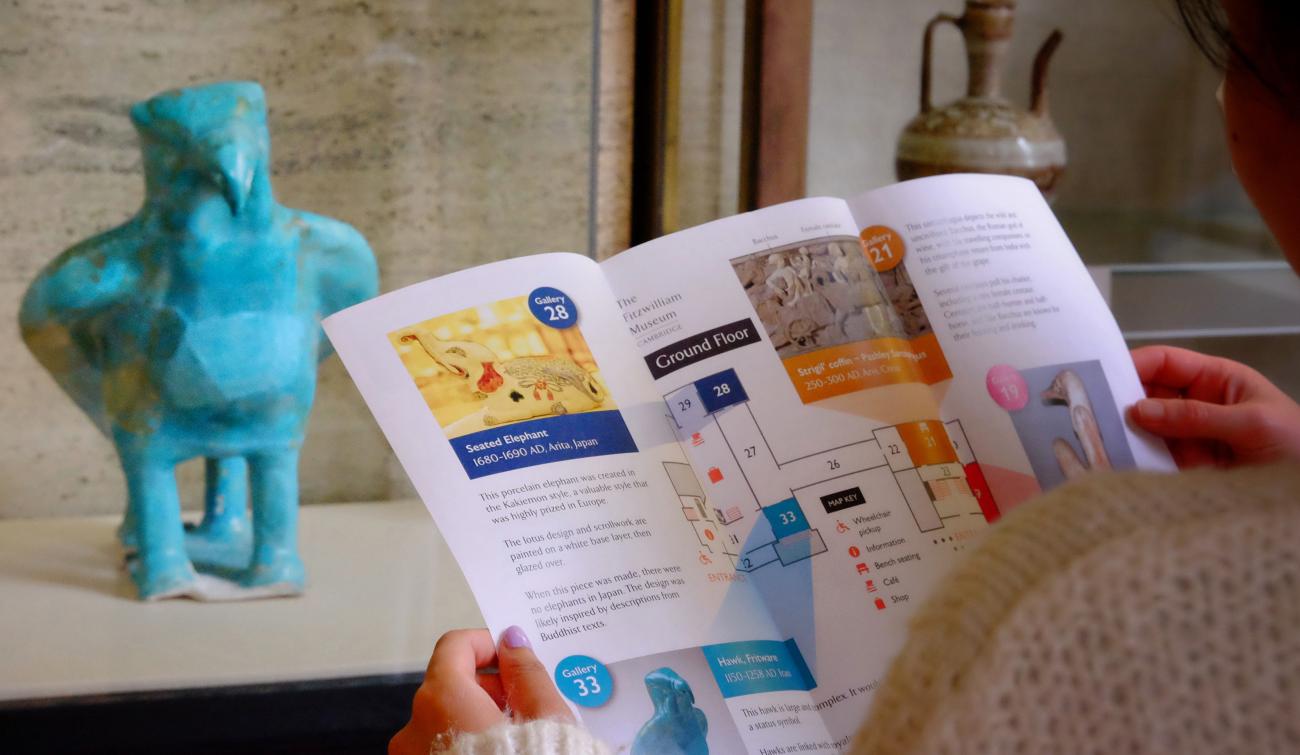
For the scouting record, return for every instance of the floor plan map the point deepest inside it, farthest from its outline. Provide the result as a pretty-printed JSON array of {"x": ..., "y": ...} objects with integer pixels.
[{"x": 924, "y": 468}]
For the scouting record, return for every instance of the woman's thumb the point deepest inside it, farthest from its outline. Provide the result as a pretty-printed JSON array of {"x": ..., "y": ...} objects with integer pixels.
[{"x": 530, "y": 693}]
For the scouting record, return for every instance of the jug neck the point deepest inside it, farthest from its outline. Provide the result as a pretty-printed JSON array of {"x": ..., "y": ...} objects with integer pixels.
[{"x": 986, "y": 27}]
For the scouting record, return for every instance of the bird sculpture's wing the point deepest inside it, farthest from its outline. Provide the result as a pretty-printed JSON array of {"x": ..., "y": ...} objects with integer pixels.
[
  {"x": 338, "y": 265},
  {"x": 66, "y": 312}
]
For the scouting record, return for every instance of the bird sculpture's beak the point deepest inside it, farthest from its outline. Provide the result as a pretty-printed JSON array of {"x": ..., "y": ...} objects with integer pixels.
[{"x": 235, "y": 176}]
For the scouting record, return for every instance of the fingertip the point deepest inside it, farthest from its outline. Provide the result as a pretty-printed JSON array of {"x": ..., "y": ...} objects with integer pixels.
[
  {"x": 1149, "y": 411},
  {"x": 529, "y": 688},
  {"x": 514, "y": 638},
  {"x": 461, "y": 651},
  {"x": 1150, "y": 414},
  {"x": 1147, "y": 360}
]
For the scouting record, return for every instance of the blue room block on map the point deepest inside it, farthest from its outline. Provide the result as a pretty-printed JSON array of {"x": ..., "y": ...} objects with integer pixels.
[
  {"x": 720, "y": 390},
  {"x": 786, "y": 518}
]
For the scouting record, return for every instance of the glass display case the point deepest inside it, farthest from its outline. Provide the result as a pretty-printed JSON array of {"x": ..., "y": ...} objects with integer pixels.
[{"x": 449, "y": 134}]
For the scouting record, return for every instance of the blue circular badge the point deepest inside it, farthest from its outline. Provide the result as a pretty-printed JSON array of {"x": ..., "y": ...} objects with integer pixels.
[
  {"x": 553, "y": 307},
  {"x": 584, "y": 680}
]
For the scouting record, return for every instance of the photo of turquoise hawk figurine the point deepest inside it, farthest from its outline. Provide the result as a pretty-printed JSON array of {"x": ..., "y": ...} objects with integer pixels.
[{"x": 193, "y": 330}]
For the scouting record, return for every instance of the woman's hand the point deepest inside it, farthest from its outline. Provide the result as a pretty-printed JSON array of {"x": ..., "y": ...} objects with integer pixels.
[
  {"x": 1214, "y": 411},
  {"x": 460, "y": 695}
]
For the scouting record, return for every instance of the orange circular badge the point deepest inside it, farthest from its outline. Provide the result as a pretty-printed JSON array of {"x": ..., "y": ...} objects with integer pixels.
[{"x": 883, "y": 246}]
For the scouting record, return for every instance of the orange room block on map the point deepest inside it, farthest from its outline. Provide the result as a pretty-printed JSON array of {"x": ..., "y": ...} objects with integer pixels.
[{"x": 927, "y": 443}]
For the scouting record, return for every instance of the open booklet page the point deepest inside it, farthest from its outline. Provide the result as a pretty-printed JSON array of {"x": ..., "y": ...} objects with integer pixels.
[
  {"x": 930, "y": 355},
  {"x": 713, "y": 476},
  {"x": 1041, "y": 374},
  {"x": 515, "y": 399}
]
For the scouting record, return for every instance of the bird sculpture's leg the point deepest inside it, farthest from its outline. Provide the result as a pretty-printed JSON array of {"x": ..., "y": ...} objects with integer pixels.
[
  {"x": 225, "y": 502},
  {"x": 273, "y": 478},
  {"x": 126, "y": 531},
  {"x": 160, "y": 568},
  {"x": 224, "y": 538}
]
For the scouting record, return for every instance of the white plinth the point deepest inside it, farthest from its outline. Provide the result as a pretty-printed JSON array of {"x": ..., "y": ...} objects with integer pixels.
[{"x": 382, "y": 587}]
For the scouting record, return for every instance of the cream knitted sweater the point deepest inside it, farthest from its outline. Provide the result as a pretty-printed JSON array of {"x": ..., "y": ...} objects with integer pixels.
[{"x": 1133, "y": 613}]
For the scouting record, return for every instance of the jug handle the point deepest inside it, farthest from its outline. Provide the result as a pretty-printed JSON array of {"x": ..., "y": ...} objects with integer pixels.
[
  {"x": 1038, "y": 90},
  {"x": 927, "y": 45}
]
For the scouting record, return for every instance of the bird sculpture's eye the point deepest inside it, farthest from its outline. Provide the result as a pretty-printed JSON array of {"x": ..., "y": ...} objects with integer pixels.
[{"x": 456, "y": 350}]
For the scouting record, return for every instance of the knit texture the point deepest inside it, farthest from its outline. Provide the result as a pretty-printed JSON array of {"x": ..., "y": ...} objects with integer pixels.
[
  {"x": 534, "y": 738},
  {"x": 1131, "y": 613}
]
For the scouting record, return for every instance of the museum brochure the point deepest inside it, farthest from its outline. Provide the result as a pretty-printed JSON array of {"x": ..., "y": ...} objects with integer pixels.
[{"x": 713, "y": 476}]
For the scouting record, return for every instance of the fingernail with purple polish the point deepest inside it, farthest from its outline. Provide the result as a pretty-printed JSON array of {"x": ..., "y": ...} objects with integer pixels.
[{"x": 514, "y": 637}]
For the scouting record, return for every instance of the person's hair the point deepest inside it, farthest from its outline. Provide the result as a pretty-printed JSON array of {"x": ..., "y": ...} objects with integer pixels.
[{"x": 1274, "y": 57}]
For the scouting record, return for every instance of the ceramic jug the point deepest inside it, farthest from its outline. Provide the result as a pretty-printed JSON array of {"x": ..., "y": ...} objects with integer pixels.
[{"x": 983, "y": 132}]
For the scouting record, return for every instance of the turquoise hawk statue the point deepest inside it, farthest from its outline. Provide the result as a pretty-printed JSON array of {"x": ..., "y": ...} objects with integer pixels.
[
  {"x": 193, "y": 330},
  {"x": 676, "y": 727}
]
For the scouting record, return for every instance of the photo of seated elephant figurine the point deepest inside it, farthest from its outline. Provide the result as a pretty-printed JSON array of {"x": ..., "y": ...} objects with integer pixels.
[{"x": 516, "y": 389}]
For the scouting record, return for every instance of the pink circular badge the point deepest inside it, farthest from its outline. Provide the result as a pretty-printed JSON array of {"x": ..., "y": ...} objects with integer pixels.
[{"x": 1007, "y": 387}]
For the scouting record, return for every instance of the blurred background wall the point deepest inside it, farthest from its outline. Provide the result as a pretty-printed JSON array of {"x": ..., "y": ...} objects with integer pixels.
[
  {"x": 449, "y": 132},
  {"x": 1127, "y": 89},
  {"x": 1131, "y": 95}
]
